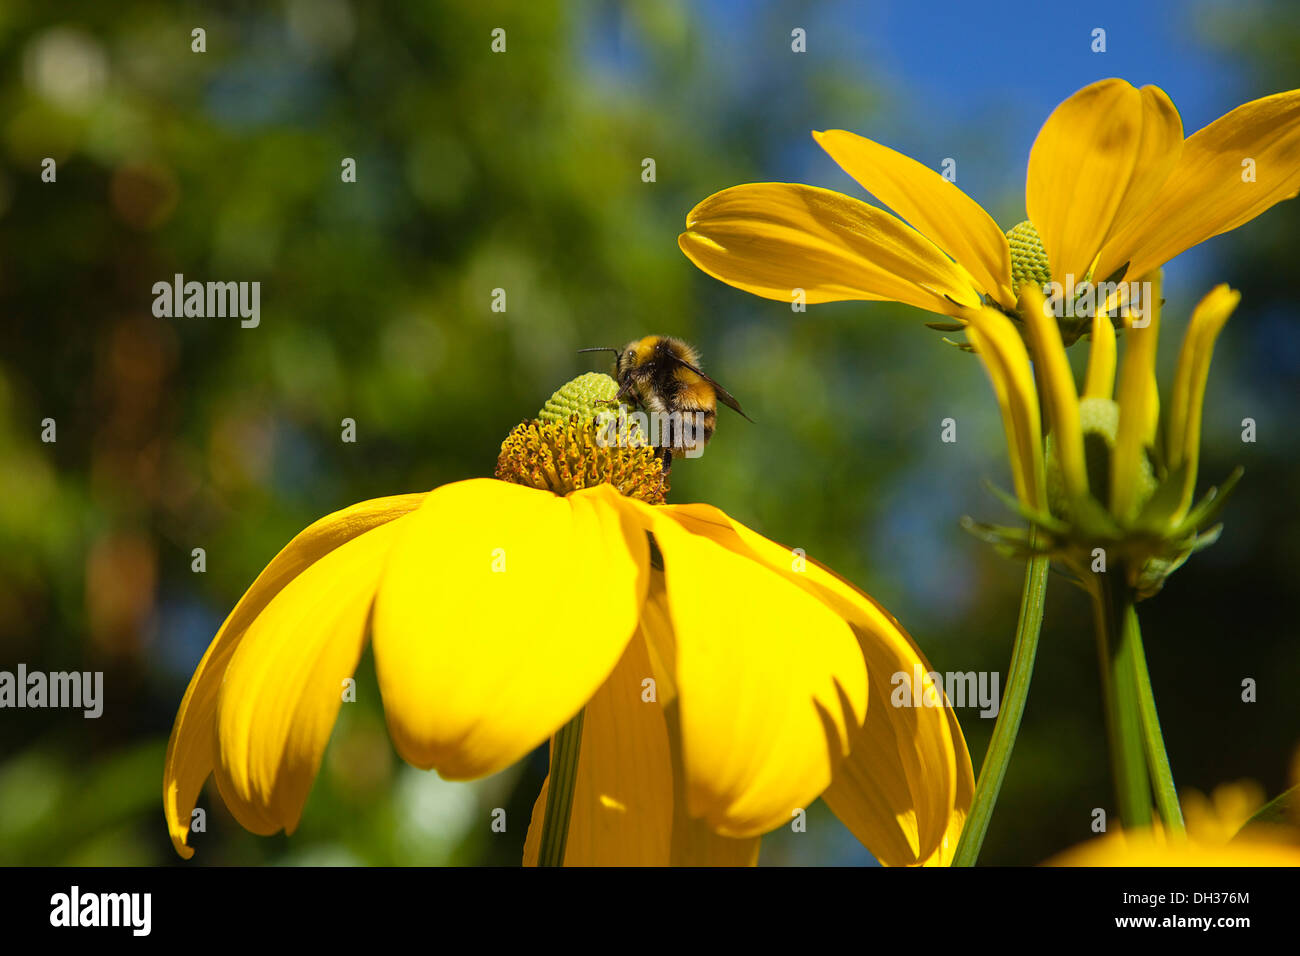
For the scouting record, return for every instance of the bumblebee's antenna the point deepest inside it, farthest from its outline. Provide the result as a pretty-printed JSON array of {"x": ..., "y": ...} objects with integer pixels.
[{"x": 601, "y": 348}]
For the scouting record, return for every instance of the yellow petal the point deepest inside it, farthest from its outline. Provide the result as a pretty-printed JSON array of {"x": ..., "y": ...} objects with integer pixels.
[
  {"x": 1139, "y": 405},
  {"x": 907, "y": 782},
  {"x": 769, "y": 681},
  {"x": 1209, "y": 190},
  {"x": 284, "y": 684},
  {"x": 1099, "y": 159},
  {"x": 623, "y": 796},
  {"x": 1188, "y": 397},
  {"x": 773, "y": 238},
  {"x": 191, "y": 753},
  {"x": 1059, "y": 391},
  {"x": 1158, "y": 149},
  {"x": 503, "y": 610},
  {"x": 932, "y": 204},
  {"x": 1100, "y": 382},
  {"x": 1002, "y": 351}
]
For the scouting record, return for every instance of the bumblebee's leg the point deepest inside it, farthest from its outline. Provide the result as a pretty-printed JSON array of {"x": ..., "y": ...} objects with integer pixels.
[{"x": 666, "y": 459}]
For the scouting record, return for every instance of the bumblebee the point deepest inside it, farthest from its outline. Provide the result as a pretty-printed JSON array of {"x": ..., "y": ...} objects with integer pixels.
[{"x": 661, "y": 375}]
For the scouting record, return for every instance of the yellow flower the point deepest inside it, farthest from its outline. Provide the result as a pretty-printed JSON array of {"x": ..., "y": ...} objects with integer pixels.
[
  {"x": 1218, "y": 834},
  {"x": 1113, "y": 190},
  {"x": 1112, "y": 484},
  {"x": 726, "y": 683}
]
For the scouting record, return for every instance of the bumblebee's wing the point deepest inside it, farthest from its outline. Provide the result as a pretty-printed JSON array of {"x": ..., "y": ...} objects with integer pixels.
[{"x": 724, "y": 396}]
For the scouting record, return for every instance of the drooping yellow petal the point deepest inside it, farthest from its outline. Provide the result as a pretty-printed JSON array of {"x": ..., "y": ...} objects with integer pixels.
[
  {"x": 1100, "y": 158},
  {"x": 690, "y": 842},
  {"x": 1002, "y": 351},
  {"x": 1100, "y": 382},
  {"x": 1058, "y": 388},
  {"x": 907, "y": 781},
  {"x": 927, "y": 744},
  {"x": 1227, "y": 174},
  {"x": 774, "y": 238},
  {"x": 1139, "y": 403},
  {"x": 769, "y": 681},
  {"x": 533, "y": 839},
  {"x": 875, "y": 793},
  {"x": 962, "y": 799},
  {"x": 191, "y": 751},
  {"x": 1188, "y": 397},
  {"x": 933, "y": 205},
  {"x": 285, "y": 682},
  {"x": 623, "y": 796},
  {"x": 695, "y": 844},
  {"x": 502, "y": 611},
  {"x": 693, "y": 841}
]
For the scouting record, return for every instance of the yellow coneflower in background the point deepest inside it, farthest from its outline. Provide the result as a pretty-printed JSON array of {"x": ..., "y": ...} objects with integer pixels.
[
  {"x": 1220, "y": 832},
  {"x": 1112, "y": 480},
  {"x": 1113, "y": 192},
  {"x": 1111, "y": 494}
]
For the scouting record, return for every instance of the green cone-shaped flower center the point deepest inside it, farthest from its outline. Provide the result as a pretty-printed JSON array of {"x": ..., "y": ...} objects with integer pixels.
[
  {"x": 585, "y": 396},
  {"x": 1028, "y": 257},
  {"x": 592, "y": 398}
]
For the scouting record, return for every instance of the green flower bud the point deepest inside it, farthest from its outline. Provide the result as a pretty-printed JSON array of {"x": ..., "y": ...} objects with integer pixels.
[{"x": 1099, "y": 422}]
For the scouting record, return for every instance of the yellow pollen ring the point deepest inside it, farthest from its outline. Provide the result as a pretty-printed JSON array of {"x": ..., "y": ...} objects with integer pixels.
[{"x": 562, "y": 457}]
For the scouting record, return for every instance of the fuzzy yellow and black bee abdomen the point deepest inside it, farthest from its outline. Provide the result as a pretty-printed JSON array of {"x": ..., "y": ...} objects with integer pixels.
[
  {"x": 692, "y": 391},
  {"x": 696, "y": 428}
]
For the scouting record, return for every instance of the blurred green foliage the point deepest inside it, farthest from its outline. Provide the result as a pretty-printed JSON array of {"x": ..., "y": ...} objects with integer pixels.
[{"x": 519, "y": 171}]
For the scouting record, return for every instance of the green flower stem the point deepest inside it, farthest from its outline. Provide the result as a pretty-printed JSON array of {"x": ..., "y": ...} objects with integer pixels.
[
  {"x": 994, "y": 768},
  {"x": 1113, "y": 603},
  {"x": 565, "y": 749},
  {"x": 1157, "y": 758}
]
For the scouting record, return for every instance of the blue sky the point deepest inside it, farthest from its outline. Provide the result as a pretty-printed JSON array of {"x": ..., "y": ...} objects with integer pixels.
[{"x": 967, "y": 55}]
